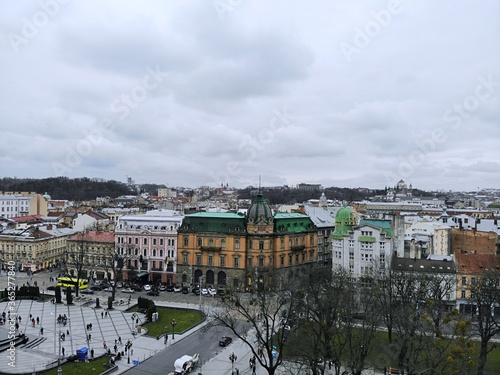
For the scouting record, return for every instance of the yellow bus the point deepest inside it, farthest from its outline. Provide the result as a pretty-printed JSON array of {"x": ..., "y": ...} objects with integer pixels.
[{"x": 70, "y": 282}]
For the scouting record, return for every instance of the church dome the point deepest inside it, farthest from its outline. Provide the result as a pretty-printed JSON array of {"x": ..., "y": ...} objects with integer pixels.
[
  {"x": 46, "y": 196},
  {"x": 259, "y": 212}
]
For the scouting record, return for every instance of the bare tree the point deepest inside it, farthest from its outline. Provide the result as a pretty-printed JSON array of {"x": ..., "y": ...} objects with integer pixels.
[
  {"x": 267, "y": 312},
  {"x": 485, "y": 295},
  {"x": 75, "y": 258}
]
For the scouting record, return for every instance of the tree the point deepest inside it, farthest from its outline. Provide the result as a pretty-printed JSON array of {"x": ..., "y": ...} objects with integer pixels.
[
  {"x": 266, "y": 312},
  {"x": 485, "y": 295},
  {"x": 75, "y": 257}
]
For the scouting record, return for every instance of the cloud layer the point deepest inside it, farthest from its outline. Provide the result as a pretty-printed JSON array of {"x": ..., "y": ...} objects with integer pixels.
[{"x": 208, "y": 92}]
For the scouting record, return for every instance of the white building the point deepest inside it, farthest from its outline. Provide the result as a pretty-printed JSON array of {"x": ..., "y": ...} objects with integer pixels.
[
  {"x": 426, "y": 238},
  {"x": 149, "y": 244},
  {"x": 361, "y": 249}
]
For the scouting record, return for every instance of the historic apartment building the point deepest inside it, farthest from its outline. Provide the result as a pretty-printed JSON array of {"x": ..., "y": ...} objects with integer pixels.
[
  {"x": 93, "y": 253},
  {"x": 34, "y": 248},
  {"x": 235, "y": 251},
  {"x": 148, "y": 245}
]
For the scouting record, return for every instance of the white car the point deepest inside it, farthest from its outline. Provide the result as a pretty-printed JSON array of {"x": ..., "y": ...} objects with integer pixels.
[
  {"x": 212, "y": 291},
  {"x": 204, "y": 291},
  {"x": 128, "y": 290},
  {"x": 177, "y": 289},
  {"x": 147, "y": 287}
]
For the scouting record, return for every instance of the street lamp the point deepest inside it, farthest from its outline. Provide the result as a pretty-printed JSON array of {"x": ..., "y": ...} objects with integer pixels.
[
  {"x": 232, "y": 358},
  {"x": 173, "y": 328},
  {"x": 59, "y": 368}
]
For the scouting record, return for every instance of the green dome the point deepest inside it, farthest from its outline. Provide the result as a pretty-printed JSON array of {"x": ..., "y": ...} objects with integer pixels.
[
  {"x": 344, "y": 221},
  {"x": 260, "y": 212},
  {"x": 46, "y": 196}
]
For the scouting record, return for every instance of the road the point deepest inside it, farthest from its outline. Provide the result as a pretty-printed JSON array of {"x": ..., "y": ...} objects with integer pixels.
[{"x": 204, "y": 343}]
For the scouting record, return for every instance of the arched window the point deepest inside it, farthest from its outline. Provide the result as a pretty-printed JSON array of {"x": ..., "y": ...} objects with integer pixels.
[
  {"x": 211, "y": 242},
  {"x": 223, "y": 243},
  {"x": 136, "y": 251},
  {"x": 154, "y": 252},
  {"x": 161, "y": 252},
  {"x": 200, "y": 242},
  {"x": 145, "y": 252},
  {"x": 185, "y": 239}
]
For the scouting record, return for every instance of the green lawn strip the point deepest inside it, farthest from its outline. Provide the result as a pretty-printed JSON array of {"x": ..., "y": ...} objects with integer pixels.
[
  {"x": 184, "y": 319},
  {"x": 82, "y": 368},
  {"x": 384, "y": 354}
]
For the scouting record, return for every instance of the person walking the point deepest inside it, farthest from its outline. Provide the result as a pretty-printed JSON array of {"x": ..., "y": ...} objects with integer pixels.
[
  {"x": 41, "y": 331},
  {"x": 62, "y": 350}
]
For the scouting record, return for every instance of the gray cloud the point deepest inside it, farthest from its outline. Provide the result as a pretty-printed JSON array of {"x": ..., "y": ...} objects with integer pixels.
[{"x": 77, "y": 93}]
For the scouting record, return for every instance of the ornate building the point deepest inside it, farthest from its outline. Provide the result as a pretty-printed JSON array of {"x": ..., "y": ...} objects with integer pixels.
[{"x": 234, "y": 251}]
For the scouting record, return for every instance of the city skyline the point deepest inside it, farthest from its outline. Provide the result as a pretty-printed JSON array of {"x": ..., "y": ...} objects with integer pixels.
[{"x": 202, "y": 93}]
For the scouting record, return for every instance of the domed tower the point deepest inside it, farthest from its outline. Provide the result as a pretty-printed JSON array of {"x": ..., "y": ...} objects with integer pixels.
[
  {"x": 46, "y": 196},
  {"x": 259, "y": 216},
  {"x": 345, "y": 220}
]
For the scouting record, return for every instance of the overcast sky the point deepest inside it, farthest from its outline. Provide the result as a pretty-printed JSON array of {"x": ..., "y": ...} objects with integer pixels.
[{"x": 191, "y": 93}]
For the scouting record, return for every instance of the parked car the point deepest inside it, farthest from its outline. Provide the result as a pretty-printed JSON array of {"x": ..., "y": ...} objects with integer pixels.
[
  {"x": 196, "y": 291},
  {"x": 212, "y": 291},
  {"x": 153, "y": 293},
  {"x": 137, "y": 288},
  {"x": 221, "y": 292},
  {"x": 225, "y": 341},
  {"x": 163, "y": 288},
  {"x": 170, "y": 288},
  {"x": 96, "y": 288},
  {"x": 204, "y": 291},
  {"x": 119, "y": 284},
  {"x": 86, "y": 291},
  {"x": 185, "y": 290},
  {"x": 147, "y": 287},
  {"x": 128, "y": 290},
  {"x": 177, "y": 289},
  {"x": 108, "y": 289}
]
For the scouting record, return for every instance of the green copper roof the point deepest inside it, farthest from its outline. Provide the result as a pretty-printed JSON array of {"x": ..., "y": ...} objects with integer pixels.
[
  {"x": 293, "y": 223},
  {"x": 218, "y": 222},
  {"x": 384, "y": 225},
  {"x": 344, "y": 221}
]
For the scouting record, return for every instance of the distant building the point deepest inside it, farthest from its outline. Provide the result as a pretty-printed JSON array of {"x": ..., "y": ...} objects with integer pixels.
[
  {"x": 14, "y": 204},
  {"x": 309, "y": 187}
]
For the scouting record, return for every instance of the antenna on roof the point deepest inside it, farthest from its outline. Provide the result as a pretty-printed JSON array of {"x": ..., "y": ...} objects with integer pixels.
[{"x": 259, "y": 182}]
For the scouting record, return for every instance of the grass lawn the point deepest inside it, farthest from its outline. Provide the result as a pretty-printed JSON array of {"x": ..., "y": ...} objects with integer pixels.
[
  {"x": 81, "y": 368},
  {"x": 184, "y": 319}
]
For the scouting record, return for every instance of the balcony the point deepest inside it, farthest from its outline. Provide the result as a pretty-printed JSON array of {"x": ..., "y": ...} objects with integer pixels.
[
  {"x": 210, "y": 248},
  {"x": 298, "y": 248}
]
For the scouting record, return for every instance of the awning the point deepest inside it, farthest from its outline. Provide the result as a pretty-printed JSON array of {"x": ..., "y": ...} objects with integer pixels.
[{"x": 141, "y": 274}]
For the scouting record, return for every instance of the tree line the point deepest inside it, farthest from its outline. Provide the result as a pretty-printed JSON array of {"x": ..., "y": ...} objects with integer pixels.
[{"x": 400, "y": 319}]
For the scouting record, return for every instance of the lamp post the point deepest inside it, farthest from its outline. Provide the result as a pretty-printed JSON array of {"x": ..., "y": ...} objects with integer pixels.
[
  {"x": 232, "y": 358},
  {"x": 59, "y": 368},
  {"x": 201, "y": 283},
  {"x": 173, "y": 328}
]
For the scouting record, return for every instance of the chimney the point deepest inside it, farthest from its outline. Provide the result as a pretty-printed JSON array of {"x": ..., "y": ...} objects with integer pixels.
[{"x": 49, "y": 227}]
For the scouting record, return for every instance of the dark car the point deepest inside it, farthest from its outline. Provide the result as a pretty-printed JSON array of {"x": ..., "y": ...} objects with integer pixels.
[
  {"x": 170, "y": 287},
  {"x": 185, "y": 290},
  {"x": 225, "y": 341},
  {"x": 96, "y": 288},
  {"x": 87, "y": 291},
  {"x": 153, "y": 293},
  {"x": 52, "y": 287}
]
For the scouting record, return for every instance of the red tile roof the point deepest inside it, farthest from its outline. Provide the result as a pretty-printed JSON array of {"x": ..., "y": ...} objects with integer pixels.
[{"x": 476, "y": 263}]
